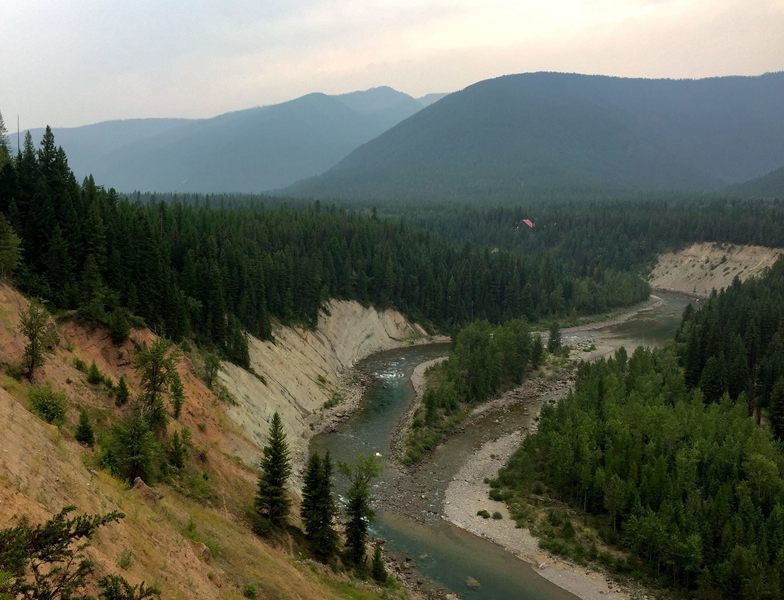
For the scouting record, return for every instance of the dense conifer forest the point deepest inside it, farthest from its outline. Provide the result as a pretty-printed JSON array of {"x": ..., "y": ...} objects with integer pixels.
[
  {"x": 213, "y": 272},
  {"x": 667, "y": 459}
]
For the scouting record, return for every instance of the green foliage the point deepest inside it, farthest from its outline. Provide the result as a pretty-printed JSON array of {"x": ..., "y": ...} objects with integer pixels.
[
  {"x": 359, "y": 511},
  {"x": 484, "y": 361},
  {"x": 10, "y": 247},
  {"x": 48, "y": 404},
  {"x": 689, "y": 488},
  {"x": 179, "y": 447},
  {"x": 79, "y": 364},
  {"x": 483, "y": 513},
  {"x": 131, "y": 450},
  {"x": 84, "y": 431},
  {"x": 497, "y": 515},
  {"x": 377, "y": 569},
  {"x": 123, "y": 393},
  {"x": 156, "y": 366},
  {"x": 41, "y": 336},
  {"x": 554, "y": 338},
  {"x": 272, "y": 501},
  {"x": 211, "y": 368},
  {"x": 48, "y": 561},
  {"x": 114, "y": 587},
  {"x": 250, "y": 590},
  {"x": 119, "y": 324},
  {"x": 94, "y": 375},
  {"x": 318, "y": 508},
  {"x": 735, "y": 343}
]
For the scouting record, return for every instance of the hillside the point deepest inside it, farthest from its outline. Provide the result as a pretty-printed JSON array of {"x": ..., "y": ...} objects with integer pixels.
[
  {"x": 701, "y": 268},
  {"x": 554, "y": 134},
  {"x": 770, "y": 185},
  {"x": 245, "y": 151},
  {"x": 189, "y": 535}
]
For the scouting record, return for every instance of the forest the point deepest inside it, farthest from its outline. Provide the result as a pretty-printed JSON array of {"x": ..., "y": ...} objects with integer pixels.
[
  {"x": 667, "y": 459},
  {"x": 192, "y": 269},
  {"x": 484, "y": 361}
]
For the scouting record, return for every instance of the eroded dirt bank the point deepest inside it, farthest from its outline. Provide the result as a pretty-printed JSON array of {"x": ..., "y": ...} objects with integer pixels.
[
  {"x": 700, "y": 268},
  {"x": 303, "y": 370}
]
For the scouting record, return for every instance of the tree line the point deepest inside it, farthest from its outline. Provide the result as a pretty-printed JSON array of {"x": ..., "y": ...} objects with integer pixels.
[
  {"x": 735, "y": 344},
  {"x": 485, "y": 360},
  {"x": 661, "y": 449},
  {"x": 214, "y": 272}
]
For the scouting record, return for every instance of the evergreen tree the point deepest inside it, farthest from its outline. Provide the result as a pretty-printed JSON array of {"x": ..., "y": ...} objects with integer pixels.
[
  {"x": 41, "y": 336},
  {"x": 48, "y": 561},
  {"x": 359, "y": 510},
  {"x": 157, "y": 369},
  {"x": 84, "y": 431},
  {"x": 318, "y": 508},
  {"x": 122, "y": 394},
  {"x": 94, "y": 376},
  {"x": 378, "y": 570},
  {"x": 554, "y": 340},
  {"x": 272, "y": 502},
  {"x": 777, "y": 409},
  {"x": 132, "y": 450},
  {"x": 10, "y": 251},
  {"x": 712, "y": 380},
  {"x": 311, "y": 490}
]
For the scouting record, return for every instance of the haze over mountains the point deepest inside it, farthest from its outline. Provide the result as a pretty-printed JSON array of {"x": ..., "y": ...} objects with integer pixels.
[
  {"x": 249, "y": 150},
  {"x": 554, "y": 134}
]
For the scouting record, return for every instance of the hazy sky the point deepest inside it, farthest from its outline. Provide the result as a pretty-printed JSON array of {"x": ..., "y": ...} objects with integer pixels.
[{"x": 71, "y": 62}]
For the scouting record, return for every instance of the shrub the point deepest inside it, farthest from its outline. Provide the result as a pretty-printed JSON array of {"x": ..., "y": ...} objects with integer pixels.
[
  {"x": 497, "y": 515},
  {"x": 80, "y": 365},
  {"x": 48, "y": 404},
  {"x": 125, "y": 560},
  {"x": 84, "y": 431},
  {"x": 94, "y": 375},
  {"x": 250, "y": 590},
  {"x": 483, "y": 513}
]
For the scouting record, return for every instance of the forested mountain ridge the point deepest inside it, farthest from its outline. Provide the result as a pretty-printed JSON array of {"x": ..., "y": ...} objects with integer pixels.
[
  {"x": 542, "y": 135},
  {"x": 770, "y": 185},
  {"x": 243, "y": 151}
]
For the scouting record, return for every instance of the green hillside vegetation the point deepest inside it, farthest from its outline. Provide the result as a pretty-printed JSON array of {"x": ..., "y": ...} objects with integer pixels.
[
  {"x": 213, "y": 273},
  {"x": 556, "y": 135},
  {"x": 484, "y": 361},
  {"x": 666, "y": 462}
]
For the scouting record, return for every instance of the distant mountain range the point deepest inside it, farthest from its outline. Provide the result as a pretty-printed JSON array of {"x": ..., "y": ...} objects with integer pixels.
[
  {"x": 245, "y": 151},
  {"x": 554, "y": 134}
]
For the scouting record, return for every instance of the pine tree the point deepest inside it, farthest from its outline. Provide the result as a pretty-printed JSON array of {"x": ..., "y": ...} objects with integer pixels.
[
  {"x": 122, "y": 392},
  {"x": 157, "y": 369},
  {"x": 41, "y": 336},
  {"x": 378, "y": 570},
  {"x": 318, "y": 508},
  {"x": 554, "y": 341},
  {"x": 272, "y": 502},
  {"x": 94, "y": 376},
  {"x": 84, "y": 431},
  {"x": 359, "y": 511},
  {"x": 311, "y": 491},
  {"x": 777, "y": 409},
  {"x": 10, "y": 251}
]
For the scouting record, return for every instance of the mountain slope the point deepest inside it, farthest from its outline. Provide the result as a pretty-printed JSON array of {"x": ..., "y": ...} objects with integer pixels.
[
  {"x": 564, "y": 134},
  {"x": 245, "y": 151},
  {"x": 770, "y": 185}
]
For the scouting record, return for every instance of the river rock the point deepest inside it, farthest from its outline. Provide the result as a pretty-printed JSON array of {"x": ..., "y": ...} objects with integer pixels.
[{"x": 472, "y": 583}]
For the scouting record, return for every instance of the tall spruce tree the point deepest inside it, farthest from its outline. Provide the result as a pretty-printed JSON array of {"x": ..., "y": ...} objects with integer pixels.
[
  {"x": 359, "y": 510},
  {"x": 157, "y": 369},
  {"x": 318, "y": 508},
  {"x": 777, "y": 409},
  {"x": 377, "y": 570},
  {"x": 272, "y": 502},
  {"x": 10, "y": 250}
]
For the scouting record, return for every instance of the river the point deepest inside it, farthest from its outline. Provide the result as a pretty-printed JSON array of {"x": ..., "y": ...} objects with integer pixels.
[{"x": 409, "y": 507}]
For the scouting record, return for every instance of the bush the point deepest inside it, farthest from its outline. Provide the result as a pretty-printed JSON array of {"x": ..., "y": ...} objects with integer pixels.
[
  {"x": 497, "y": 516},
  {"x": 483, "y": 513},
  {"x": 84, "y": 431},
  {"x": 94, "y": 375},
  {"x": 48, "y": 404},
  {"x": 80, "y": 365},
  {"x": 250, "y": 590}
]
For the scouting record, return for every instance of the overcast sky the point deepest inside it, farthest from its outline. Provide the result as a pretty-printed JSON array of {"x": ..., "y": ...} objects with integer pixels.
[{"x": 71, "y": 62}]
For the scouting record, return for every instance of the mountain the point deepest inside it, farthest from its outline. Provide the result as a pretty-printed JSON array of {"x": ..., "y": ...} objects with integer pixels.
[
  {"x": 770, "y": 185},
  {"x": 555, "y": 134},
  {"x": 249, "y": 150}
]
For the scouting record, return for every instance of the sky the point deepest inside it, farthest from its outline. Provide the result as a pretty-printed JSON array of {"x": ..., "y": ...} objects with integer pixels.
[{"x": 73, "y": 62}]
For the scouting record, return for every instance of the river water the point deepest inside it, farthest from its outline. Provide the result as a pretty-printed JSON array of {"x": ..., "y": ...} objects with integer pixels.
[{"x": 443, "y": 553}]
